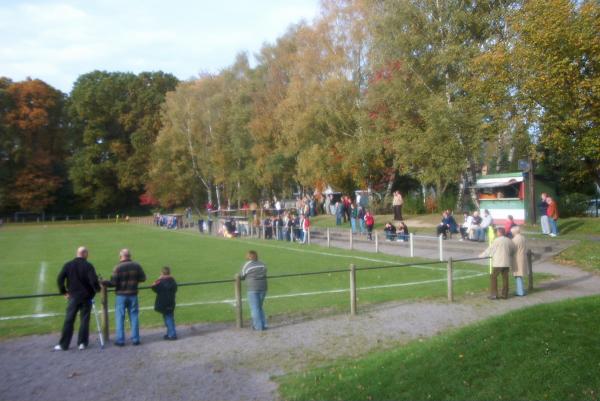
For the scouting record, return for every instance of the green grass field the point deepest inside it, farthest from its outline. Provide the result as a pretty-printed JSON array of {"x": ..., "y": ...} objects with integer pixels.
[
  {"x": 546, "y": 352},
  {"x": 32, "y": 256}
]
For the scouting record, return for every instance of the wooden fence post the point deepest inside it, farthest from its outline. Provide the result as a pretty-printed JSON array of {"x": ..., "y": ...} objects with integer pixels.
[
  {"x": 450, "y": 281},
  {"x": 352, "y": 290},
  {"x": 308, "y": 236},
  {"x": 238, "y": 301},
  {"x": 328, "y": 239},
  {"x": 351, "y": 241},
  {"x": 412, "y": 245},
  {"x": 104, "y": 302},
  {"x": 529, "y": 270}
]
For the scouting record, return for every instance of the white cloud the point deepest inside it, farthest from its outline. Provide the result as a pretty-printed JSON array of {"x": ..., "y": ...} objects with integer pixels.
[{"x": 59, "y": 40}]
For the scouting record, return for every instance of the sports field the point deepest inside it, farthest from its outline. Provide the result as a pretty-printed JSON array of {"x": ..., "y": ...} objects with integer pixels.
[{"x": 32, "y": 256}]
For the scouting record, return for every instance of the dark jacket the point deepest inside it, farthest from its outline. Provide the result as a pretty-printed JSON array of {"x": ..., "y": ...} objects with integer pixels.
[
  {"x": 81, "y": 279},
  {"x": 125, "y": 278},
  {"x": 165, "y": 289},
  {"x": 255, "y": 274}
]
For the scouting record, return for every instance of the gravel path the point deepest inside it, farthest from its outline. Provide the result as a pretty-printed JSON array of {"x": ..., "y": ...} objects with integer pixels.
[{"x": 219, "y": 362}]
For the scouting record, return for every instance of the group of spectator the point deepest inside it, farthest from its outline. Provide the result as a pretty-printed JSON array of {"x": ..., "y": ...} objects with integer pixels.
[
  {"x": 287, "y": 226},
  {"x": 396, "y": 233},
  {"x": 79, "y": 283},
  {"x": 474, "y": 226},
  {"x": 507, "y": 255}
]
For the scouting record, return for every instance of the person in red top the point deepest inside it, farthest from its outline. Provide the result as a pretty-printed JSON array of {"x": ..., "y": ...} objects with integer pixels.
[
  {"x": 370, "y": 222},
  {"x": 552, "y": 212},
  {"x": 508, "y": 224},
  {"x": 305, "y": 228}
]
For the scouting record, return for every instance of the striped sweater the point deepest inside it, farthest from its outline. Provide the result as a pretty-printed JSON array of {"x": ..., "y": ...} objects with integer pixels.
[{"x": 255, "y": 274}]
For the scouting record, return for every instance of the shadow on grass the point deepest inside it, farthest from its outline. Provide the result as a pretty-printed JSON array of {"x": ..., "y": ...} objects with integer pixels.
[
  {"x": 558, "y": 284},
  {"x": 570, "y": 226}
]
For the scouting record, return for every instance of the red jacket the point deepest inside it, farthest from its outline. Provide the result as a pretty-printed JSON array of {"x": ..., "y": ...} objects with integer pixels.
[
  {"x": 552, "y": 211},
  {"x": 369, "y": 219}
]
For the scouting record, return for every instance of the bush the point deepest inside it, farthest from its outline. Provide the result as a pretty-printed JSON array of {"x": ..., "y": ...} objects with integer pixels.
[{"x": 574, "y": 204}]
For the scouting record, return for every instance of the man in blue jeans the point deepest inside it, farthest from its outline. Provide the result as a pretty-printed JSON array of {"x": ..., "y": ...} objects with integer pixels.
[
  {"x": 254, "y": 272},
  {"x": 125, "y": 278}
]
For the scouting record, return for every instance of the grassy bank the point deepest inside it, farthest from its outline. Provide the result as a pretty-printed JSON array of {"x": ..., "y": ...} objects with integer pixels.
[{"x": 547, "y": 352}]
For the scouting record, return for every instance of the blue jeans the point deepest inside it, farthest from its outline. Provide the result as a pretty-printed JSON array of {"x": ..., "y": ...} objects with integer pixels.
[
  {"x": 553, "y": 226},
  {"x": 520, "y": 288},
  {"x": 129, "y": 303},
  {"x": 170, "y": 324},
  {"x": 362, "y": 226},
  {"x": 353, "y": 224},
  {"x": 480, "y": 234},
  {"x": 255, "y": 301}
]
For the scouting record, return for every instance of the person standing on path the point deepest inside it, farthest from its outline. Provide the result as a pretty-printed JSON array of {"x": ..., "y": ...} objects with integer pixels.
[
  {"x": 125, "y": 278},
  {"x": 520, "y": 263},
  {"x": 397, "y": 203},
  {"x": 543, "y": 210},
  {"x": 165, "y": 288},
  {"x": 552, "y": 216},
  {"x": 254, "y": 272},
  {"x": 81, "y": 287},
  {"x": 502, "y": 251}
]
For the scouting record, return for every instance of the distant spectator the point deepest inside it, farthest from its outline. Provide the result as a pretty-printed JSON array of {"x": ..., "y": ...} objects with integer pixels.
[
  {"x": 486, "y": 222},
  {"x": 502, "y": 251},
  {"x": 508, "y": 224},
  {"x": 552, "y": 216},
  {"x": 447, "y": 225},
  {"x": 305, "y": 228},
  {"x": 466, "y": 226},
  {"x": 339, "y": 213},
  {"x": 353, "y": 217},
  {"x": 369, "y": 222},
  {"x": 390, "y": 231},
  {"x": 397, "y": 203},
  {"x": 520, "y": 263},
  {"x": 360, "y": 216},
  {"x": 165, "y": 288},
  {"x": 402, "y": 233},
  {"x": 543, "y": 210}
]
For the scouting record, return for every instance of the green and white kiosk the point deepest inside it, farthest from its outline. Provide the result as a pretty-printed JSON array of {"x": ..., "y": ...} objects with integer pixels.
[{"x": 503, "y": 195}]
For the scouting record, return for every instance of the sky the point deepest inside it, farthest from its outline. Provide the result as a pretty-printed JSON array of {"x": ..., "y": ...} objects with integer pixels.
[{"x": 58, "y": 40}]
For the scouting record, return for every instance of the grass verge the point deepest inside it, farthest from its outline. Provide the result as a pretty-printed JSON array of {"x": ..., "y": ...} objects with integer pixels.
[{"x": 546, "y": 352}]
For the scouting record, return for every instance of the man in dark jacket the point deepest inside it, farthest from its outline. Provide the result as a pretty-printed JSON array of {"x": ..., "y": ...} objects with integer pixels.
[
  {"x": 165, "y": 288},
  {"x": 81, "y": 286},
  {"x": 125, "y": 278},
  {"x": 255, "y": 274}
]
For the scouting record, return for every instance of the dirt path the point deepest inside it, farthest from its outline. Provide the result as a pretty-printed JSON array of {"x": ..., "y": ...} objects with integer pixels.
[{"x": 219, "y": 362}]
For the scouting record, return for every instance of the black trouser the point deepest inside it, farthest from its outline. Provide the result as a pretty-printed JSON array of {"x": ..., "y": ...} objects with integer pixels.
[
  {"x": 442, "y": 230},
  {"x": 84, "y": 306}
]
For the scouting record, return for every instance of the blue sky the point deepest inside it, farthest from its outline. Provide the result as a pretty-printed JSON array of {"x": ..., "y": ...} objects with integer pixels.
[{"x": 58, "y": 40}]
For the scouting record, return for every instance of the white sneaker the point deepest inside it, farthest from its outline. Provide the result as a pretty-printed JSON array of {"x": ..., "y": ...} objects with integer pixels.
[
  {"x": 81, "y": 347},
  {"x": 58, "y": 348},
  {"x": 552, "y": 235}
]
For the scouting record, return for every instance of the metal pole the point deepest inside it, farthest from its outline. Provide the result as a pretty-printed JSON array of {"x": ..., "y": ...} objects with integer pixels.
[
  {"x": 351, "y": 241},
  {"x": 412, "y": 245},
  {"x": 440, "y": 239},
  {"x": 376, "y": 242},
  {"x": 450, "y": 283},
  {"x": 529, "y": 270},
  {"x": 104, "y": 301},
  {"x": 238, "y": 301},
  {"x": 308, "y": 236},
  {"x": 328, "y": 239},
  {"x": 352, "y": 290}
]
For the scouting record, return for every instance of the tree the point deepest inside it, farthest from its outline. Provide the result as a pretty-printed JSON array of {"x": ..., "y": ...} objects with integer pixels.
[
  {"x": 557, "y": 73},
  {"x": 114, "y": 121},
  {"x": 33, "y": 144}
]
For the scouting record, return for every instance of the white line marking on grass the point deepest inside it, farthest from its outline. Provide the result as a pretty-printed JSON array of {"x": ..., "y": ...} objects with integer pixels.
[
  {"x": 39, "y": 302},
  {"x": 231, "y": 302}
]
